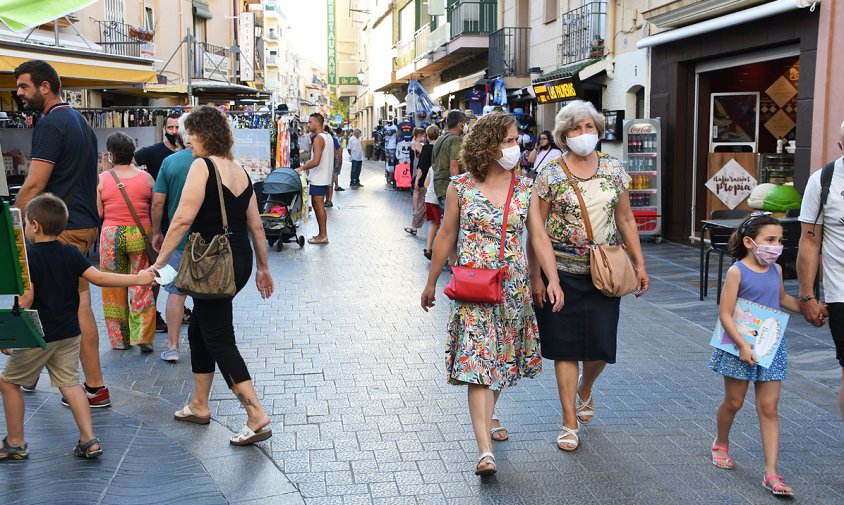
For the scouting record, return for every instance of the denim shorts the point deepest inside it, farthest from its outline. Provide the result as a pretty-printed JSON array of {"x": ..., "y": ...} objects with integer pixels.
[
  {"x": 318, "y": 190},
  {"x": 174, "y": 261}
]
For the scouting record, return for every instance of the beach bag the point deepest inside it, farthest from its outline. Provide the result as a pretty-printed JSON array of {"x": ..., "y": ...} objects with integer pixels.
[
  {"x": 612, "y": 270},
  {"x": 206, "y": 270},
  {"x": 482, "y": 285}
]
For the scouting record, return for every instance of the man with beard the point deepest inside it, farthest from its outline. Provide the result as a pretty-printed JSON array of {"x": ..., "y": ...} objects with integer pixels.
[
  {"x": 152, "y": 157},
  {"x": 64, "y": 163}
]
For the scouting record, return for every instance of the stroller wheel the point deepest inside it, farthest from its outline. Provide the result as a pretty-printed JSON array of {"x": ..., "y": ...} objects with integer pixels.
[
  {"x": 271, "y": 241},
  {"x": 278, "y": 245},
  {"x": 301, "y": 241}
]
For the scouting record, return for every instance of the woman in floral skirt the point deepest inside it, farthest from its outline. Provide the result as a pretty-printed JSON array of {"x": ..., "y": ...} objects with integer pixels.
[{"x": 490, "y": 347}]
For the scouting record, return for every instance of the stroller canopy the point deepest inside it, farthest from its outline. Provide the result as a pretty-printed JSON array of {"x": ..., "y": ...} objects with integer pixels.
[{"x": 283, "y": 180}]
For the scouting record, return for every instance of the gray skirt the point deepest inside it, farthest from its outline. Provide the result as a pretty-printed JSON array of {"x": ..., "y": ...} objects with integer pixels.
[{"x": 587, "y": 326}]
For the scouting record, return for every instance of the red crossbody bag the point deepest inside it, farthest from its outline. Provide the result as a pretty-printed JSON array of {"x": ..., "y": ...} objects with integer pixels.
[{"x": 482, "y": 285}]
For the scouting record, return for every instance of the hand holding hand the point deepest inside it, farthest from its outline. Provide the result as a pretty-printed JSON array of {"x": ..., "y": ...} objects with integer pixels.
[
  {"x": 428, "y": 298},
  {"x": 146, "y": 277},
  {"x": 7, "y": 352},
  {"x": 814, "y": 312},
  {"x": 264, "y": 282}
]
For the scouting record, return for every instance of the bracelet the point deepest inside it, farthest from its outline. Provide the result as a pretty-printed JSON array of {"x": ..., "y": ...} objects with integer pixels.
[{"x": 806, "y": 298}]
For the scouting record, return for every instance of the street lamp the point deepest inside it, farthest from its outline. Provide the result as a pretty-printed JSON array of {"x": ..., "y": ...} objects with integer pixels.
[{"x": 361, "y": 76}]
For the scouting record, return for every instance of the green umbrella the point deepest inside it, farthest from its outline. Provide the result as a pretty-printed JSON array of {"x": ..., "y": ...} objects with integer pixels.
[{"x": 21, "y": 15}]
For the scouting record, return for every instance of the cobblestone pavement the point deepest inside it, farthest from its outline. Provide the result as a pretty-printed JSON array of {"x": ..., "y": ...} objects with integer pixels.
[{"x": 352, "y": 372}]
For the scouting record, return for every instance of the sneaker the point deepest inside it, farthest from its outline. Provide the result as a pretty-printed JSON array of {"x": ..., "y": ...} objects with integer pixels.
[
  {"x": 170, "y": 355},
  {"x": 328, "y": 204},
  {"x": 187, "y": 316},
  {"x": 29, "y": 389},
  {"x": 14, "y": 452},
  {"x": 160, "y": 325},
  {"x": 96, "y": 400}
]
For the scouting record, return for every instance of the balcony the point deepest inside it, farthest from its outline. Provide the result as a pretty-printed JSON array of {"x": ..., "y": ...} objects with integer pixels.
[
  {"x": 473, "y": 17},
  {"x": 405, "y": 54},
  {"x": 508, "y": 52},
  {"x": 272, "y": 60},
  {"x": 583, "y": 33},
  {"x": 420, "y": 40},
  {"x": 122, "y": 39},
  {"x": 212, "y": 62}
]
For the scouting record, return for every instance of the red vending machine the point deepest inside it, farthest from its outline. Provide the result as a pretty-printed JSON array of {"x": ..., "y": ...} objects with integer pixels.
[{"x": 642, "y": 141}]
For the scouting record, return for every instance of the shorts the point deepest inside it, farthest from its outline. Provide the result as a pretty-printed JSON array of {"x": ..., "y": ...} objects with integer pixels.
[
  {"x": 836, "y": 327},
  {"x": 60, "y": 357},
  {"x": 432, "y": 212},
  {"x": 442, "y": 205},
  {"x": 174, "y": 261},
  {"x": 83, "y": 239},
  {"x": 318, "y": 190}
]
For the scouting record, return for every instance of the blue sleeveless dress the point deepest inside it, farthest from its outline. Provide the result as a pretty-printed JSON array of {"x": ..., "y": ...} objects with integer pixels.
[{"x": 764, "y": 289}]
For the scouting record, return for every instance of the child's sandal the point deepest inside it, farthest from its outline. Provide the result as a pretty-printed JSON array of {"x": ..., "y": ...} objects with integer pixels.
[
  {"x": 723, "y": 462},
  {"x": 13, "y": 452},
  {"x": 778, "y": 488},
  {"x": 84, "y": 450}
]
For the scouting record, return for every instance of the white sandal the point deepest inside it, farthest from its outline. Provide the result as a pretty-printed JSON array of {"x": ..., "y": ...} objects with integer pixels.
[
  {"x": 583, "y": 410},
  {"x": 488, "y": 470},
  {"x": 568, "y": 445},
  {"x": 247, "y": 436},
  {"x": 499, "y": 429}
]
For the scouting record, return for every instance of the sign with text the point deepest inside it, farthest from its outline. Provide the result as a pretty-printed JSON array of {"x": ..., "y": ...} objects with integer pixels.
[
  {"x": 353, "y": 81},
  {"x": 246, "y": 42},
  {"x": 215, "y": 66},
  {"x": 732, "y": 184},
  {"x": 558, "y": 90},
  {"x": 332, "y": 43},
  {"x": 252, "y": 150}
]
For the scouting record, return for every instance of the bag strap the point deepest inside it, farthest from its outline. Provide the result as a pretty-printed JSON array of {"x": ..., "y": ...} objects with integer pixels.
[
  {"x": 826, "y": 182},
  {"x": 506, "y": 215},
  {"x": 129, "y": 203},
  {"x": 576, "y": 187},
  {"x": 212, "y": 167}
]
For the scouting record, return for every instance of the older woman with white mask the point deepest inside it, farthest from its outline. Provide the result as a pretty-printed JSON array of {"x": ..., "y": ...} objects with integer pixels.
[{"x": 585, "y": 330}]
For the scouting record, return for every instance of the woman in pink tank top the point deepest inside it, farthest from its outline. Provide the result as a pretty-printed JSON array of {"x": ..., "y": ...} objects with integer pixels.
[{"x": 129, "y": 312}]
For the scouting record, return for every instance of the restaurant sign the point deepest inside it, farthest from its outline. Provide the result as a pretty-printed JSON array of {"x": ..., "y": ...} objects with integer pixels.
[
  {"x": 732, "y": 184},
  {"x": 559, "y": 90}
]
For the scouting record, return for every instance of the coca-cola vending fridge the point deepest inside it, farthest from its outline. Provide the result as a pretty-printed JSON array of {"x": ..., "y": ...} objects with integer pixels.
[{"x": 642, "y": 141}]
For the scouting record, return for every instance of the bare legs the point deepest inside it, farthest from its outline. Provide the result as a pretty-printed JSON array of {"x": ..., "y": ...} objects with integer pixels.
[
  {"x": 175, "y": 314},
  {"x": 481, "y": 405},
  {"x": 566, "y": 373},
  {"x": 432, "y": 233},
  {"x": 89, "y": 344},
  {"x": 319, "y": 211},
  {"x": 244, "y": 391}
]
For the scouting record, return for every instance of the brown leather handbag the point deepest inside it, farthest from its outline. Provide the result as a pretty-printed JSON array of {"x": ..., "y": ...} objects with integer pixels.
[
  {"x": 613, "y": 273},
  {"x": 151, "y": 253},
  {"x": 482, "y": 285},
  {"x": 206, "y": 270}
]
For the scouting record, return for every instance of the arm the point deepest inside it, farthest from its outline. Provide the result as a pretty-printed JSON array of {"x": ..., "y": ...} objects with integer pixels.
[
  {"x": 541, "y": 250},
  {"x": 100, "y": 206},
  {"x": 35, "y": 182},
  {"x": 454, "y": 167},
  {"x": 111, "y": 280},
  {"x": 532, "y": 156},
  {"x": 542, "y": 209},
  {"x": 318, "y": 147},
  {"x": 629, "y": 231},
  {"x": 786, "y": 300},
  {"x": 28, "y": 296},
  {"x": 263, "y": 279},
  {"x": 157, "y": 211},
  {"x": 808, "y": 254},
  {"x": 725, "y": 312},
  {"x": 444, "y": 244},
  {"x": 193, "y": 195}
]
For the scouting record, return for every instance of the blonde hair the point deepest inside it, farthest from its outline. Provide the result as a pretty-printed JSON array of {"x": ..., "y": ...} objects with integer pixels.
[
  {"x": 480, "y": 145},
  {"x": 573, "y": 113},
  {"x": 432, "y": 132}
]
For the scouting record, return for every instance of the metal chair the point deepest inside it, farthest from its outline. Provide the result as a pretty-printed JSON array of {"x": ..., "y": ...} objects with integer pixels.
[{"x": 719, "y": 239}]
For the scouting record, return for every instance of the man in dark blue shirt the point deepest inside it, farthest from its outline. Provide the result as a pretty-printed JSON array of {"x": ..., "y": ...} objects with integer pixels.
[{"x": 64, "y": 162}]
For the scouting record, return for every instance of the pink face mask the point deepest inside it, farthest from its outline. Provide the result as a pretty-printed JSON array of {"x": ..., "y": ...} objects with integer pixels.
[{"x": 767, "y": 255}]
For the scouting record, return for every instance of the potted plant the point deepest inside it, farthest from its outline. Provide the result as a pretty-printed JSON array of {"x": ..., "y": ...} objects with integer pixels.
[
  {"x": 597, "y": 49},
  {"x": 134, "y": 32},
  {"x": 148, "y": 35}
]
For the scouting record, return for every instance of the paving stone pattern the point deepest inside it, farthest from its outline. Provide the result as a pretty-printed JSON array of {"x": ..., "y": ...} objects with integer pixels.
[{"x": 352, "y": 372}]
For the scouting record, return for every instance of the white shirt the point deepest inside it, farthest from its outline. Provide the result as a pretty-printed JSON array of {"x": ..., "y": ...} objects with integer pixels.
[
  {"x": 322, "y": 174},
  {"x": 390, "y": 139},
  {"x": 430, "y": 194},
  {"x": 832, "y": 219},
  {"x": 545, "y": 157},
  {"x": 403, "y": 152},
  {"x": 355, "y": 150}
]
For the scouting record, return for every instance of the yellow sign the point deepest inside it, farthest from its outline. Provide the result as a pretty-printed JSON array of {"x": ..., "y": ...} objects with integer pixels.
[{"x": 556, "y": 91}]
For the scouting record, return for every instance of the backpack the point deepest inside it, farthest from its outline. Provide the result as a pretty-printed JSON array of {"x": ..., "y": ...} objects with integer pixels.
[{"x": 826, "y": 182}]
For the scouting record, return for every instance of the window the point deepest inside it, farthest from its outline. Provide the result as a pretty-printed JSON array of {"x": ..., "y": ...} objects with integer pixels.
[
  {"x": 551, "y": 9},
  {"x": 149, "y": 18}
]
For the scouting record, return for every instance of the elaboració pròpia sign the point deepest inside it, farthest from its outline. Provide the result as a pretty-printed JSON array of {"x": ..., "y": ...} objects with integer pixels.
[{"x": 332, "y": 43}]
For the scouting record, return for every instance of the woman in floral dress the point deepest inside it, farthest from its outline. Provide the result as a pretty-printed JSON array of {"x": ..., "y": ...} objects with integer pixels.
[{"x": 491, "y": 347}]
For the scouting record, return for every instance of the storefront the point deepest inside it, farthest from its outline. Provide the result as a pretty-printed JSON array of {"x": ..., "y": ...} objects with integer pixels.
[{"x": 728, "y": 95}]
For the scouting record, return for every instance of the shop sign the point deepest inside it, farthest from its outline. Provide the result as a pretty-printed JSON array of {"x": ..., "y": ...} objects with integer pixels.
[
  {"x": 352, "y": 81},
  {"x": 332, "y": 43},
  {"x": 558, "y": 90},
  {"x": 246, "y": 32},
  {"x": 215, "y": 66},
  {"x": 732, "y": 184}
]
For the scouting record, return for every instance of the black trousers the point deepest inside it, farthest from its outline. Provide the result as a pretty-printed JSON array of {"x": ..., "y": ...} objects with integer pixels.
[
  {"x": 211, "y": 332},
  {"x": 836, "y": 327}
]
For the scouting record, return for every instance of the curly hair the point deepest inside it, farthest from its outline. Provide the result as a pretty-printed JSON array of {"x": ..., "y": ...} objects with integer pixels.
[
  {"x": 480, "y": 145},
  {"x": 573, "y": 113},
  {"x": 210, "y": 125}
]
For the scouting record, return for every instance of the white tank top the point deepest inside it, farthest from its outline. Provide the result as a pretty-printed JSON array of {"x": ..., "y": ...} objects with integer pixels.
[{"x": 323, "y": 173}]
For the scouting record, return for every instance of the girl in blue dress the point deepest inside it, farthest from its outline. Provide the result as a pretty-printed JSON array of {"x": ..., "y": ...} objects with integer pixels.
[{"x": 757, "y": 243}]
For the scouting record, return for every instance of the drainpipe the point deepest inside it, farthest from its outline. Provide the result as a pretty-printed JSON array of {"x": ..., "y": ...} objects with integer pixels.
[{"x": 609, "y": 38}]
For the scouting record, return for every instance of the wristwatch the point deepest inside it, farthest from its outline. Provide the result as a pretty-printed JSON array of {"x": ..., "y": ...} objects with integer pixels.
[{"x": 806, "y": 298}]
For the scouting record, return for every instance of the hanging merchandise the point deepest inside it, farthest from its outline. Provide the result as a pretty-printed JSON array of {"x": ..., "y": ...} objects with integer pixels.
[
  {"x": 420, "y": 106},
  {"x": 282, "y": 145},
  {"x": 499, "y": 92}
]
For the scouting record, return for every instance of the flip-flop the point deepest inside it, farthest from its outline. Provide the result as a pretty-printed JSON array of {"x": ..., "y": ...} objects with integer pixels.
[
  {"x": 314, "y": 241},
  {"x": 187, "y": 415},
  {"x": 410, "y": 230},
  {"x": 505, "y": 433},
  {"x": 247, "y": 436}
]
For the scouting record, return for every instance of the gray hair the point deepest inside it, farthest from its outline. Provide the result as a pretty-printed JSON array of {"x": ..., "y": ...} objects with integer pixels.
[
  {"x": 182, "y": 130},
  {"x": 573, "y": 113},
  {"x": 356, "y": 131}
]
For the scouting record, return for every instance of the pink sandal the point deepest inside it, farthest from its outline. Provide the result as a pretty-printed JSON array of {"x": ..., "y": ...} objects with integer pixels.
[
  {"x": 779, "y": 488},
  {"x": 723, "y": 462}
]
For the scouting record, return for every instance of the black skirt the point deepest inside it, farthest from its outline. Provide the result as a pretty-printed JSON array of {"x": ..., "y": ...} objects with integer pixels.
[{"x": 585, "y": 329}]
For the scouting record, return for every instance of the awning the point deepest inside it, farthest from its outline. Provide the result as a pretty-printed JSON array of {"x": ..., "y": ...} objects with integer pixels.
[
  {"x": 201, "y": 9},
  {"x": 206, "y": 87},
  {"x": 456, "y": 85},
  {"x": 78, "y": 71},
  {"x": 21, "y": 15},
  {"x": 567, "y": 71}
]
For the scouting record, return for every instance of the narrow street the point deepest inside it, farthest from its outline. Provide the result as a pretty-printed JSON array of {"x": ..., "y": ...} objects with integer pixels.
[{"x": 352, "y": 372}]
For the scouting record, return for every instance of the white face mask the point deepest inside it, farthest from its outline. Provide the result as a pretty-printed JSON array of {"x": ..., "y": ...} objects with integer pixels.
[
  {"x": 509, "y": 157},
  {"x": 583, "y": 144},
  {"x": 465, "y": 129}
]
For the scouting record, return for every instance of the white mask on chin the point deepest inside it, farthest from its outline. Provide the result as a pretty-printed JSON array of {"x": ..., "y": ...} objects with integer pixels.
[
  {"x": 509, "y": 157},
  {"x": 583, "y": 144}
]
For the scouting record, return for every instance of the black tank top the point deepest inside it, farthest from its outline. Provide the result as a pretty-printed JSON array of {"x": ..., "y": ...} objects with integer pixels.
[{"x": 209, "y": 220}]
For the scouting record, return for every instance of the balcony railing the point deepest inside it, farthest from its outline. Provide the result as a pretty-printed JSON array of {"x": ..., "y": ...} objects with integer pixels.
[
  {"x": 508, "y": 52},
  {"x": 211, "y": 62},
  {"x": 583, "y": 33},
  {"x": 272, "y": 59},
  {"x": 439, "y": 36},
  {"x": 120, "y": 38},
  {"x": 473, "y": 17},
  {"x": 405, "y": 52},
  {"x": 420, "y": 40}
]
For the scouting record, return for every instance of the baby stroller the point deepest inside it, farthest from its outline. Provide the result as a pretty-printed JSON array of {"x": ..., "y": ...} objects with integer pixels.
[{"x": 281, "y": 207}]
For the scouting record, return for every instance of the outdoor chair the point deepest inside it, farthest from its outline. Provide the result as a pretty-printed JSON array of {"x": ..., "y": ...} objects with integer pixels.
[{"x": 719, "y": 239}]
